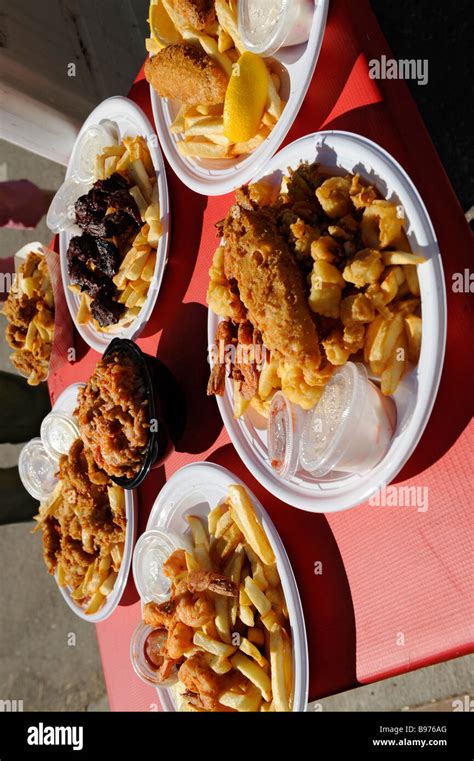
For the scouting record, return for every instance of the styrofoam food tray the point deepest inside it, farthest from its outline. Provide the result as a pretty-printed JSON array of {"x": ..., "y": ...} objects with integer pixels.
[
  {"x": 196, "y": 489},
  {"x": 66, "y": 402},
  {"x": 131, "y": 121},
  {"x": 216, "y": 177},
  {"x": 343, "y": 152}
]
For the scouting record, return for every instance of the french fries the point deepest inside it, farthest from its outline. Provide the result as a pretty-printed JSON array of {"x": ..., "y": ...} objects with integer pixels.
[
  {"x": 248, "y": 637},
  {"x": 245, "y": 518}
]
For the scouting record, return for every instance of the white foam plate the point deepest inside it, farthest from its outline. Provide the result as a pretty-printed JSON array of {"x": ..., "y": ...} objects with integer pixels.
[
  {"x": 67, "y": 402},
  {"x": 195, "y": 490},
  {"x": 343, "y": 152},
  {"x": 131, "y": 121},
  {"x": 216, "y": 177}
]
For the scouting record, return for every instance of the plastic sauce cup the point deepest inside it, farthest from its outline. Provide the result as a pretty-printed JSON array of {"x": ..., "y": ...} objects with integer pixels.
[
  {"x": 141, "y": 664},
  {"x": 37, "y": 470},
  {"x": 152, "y": 550},
  {"x": 265, "y": 26},
  {"x": 90, "y": 144},
  {"x": 285, "y": 426},
  {"x": 61, "y": 216},
  {"x": 58, "y": 432},
  {"x": 351, "y": 427}
]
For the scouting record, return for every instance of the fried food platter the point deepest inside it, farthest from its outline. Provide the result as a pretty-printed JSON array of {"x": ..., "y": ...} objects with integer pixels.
[
  {"x": 67, "y": 403},
  {"x": 294, "y": 67},
  {"x": 339, "y": 153},
  {"x": 131, "y": 123},
  {"x": 197, "y": 489}
]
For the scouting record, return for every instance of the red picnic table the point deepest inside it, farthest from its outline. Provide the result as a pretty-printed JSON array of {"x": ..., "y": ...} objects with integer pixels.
[{"x": 396, "y": 589}]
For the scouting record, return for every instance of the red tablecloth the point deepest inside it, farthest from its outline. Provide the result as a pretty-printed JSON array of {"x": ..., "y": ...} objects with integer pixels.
[{"x": 395, "y": 589}]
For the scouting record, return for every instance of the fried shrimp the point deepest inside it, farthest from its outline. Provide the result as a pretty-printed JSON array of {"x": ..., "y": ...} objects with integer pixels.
[
  {"x": 195, "y": 610},
  {"x": 159, "y": 615},
  {"x": 200, "y": 581},
  {"x": 186, "y": 73},
  {"x": 180, "y": 639},
  {"x": 198, "y": 677}
]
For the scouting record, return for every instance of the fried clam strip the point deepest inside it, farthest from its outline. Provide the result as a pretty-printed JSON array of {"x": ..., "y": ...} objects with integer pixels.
[{"x": 272, "y": 288}]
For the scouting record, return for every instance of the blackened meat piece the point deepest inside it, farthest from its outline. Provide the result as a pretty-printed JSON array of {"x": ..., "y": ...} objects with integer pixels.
[
  {"x": 112, "y": 183},
  {"x": 92, "y": 283},
  {"x": 106, "y": 311},
  {"x": 107, "y": 258},
  {"x": 117, "y": 223},
  {"x": 102, "y": 253},
  {"x": 91, "y": 209},
  {"x": 113, "y": 224},
  {"x": 122, "y": 200},
  {"x": 81, "y": 247}
]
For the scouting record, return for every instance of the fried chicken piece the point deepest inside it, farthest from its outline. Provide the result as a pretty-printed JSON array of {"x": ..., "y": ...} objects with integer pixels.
[
  {"x": 186, "y": 73},
  {"x": 200, "y": 14},
  {"x": 271, "y": 286}
]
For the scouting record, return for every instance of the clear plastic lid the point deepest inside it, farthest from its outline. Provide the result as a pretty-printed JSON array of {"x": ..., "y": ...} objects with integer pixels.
[
  {"x": 91, "y": 143},
  {"x": 333, "y": 423},
  {"x": 61, "y": 215},
  {"x": 262, "y": 25},
  {"x": 151, "y": 551},
  {"x": 37, "y": 470},
  {"x": 58, "y": 433},
  {"x": 285, "y": 424},
  {"x": 267, "y": 25}
]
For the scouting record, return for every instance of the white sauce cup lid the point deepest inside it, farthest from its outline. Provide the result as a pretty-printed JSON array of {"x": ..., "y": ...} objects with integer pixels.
[
  {"x": 151, "y": 551},
  {"x": 58, "y": 433},
  {"x": 37, "y": 470}
]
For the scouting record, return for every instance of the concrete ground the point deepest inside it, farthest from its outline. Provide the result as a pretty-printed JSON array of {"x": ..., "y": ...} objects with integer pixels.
[{"x": 38, "y": 663}]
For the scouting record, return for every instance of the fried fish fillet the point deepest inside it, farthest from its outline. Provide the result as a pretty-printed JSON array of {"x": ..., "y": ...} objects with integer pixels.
[
  {"x": 200, "y": 14},
  {"x": 188, "y": 74},
  {"x": 271, "y": 286}
]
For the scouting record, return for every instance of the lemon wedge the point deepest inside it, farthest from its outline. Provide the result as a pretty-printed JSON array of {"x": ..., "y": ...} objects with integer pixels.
[
  {"x": 163, "y": 31},
  {"x": 245, "y": 98}
]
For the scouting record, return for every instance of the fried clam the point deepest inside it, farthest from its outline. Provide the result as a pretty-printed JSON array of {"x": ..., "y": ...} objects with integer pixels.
[{"x": 186, "y": 73}]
